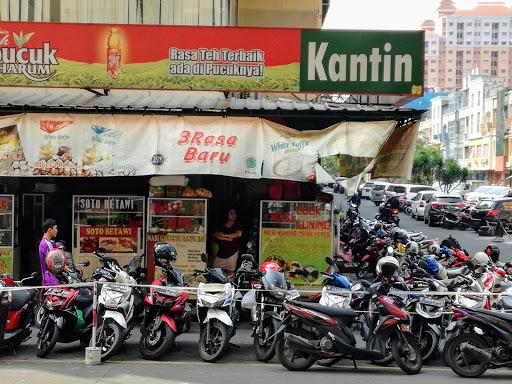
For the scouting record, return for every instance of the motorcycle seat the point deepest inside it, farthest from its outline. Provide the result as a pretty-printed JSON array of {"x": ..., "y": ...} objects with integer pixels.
[
  {"x": 454, "y": 272},
  {"x": 502, "y": 315},
  {"x": 344, "y": 315},
  {"x": 84, "y": 298},
  {"x": 20, "y": 298}
]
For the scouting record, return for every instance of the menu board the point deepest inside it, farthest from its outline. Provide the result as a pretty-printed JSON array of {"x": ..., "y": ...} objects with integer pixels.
[
  {"x": 6, "y": 233},
  {"x": 298, "y": 235},
  {"x": 114, "y": 223},
  {"x": 180, "y": 222}
]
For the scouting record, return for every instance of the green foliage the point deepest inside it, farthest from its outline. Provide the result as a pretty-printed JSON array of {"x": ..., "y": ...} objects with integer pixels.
[
  {"x": 429, "y": 166},
  {"x": 331, "y": 164}
]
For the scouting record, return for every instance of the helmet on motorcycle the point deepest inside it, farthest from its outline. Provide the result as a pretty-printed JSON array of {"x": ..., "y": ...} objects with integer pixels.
[
  {"x": 387, "y": 266},
  {"x": 493, "y": 252},
  {"x": 480, "y": 259},
  {"x": 56, "y": 260},
  {"x": 164, "y": 252},
  {"x": 412, "y": 248},
  {"x": 433, "y": 249},
  {"x": 377, "y": 227},
  {"x": 8, "y": 279},
  {"x": 432, "y": 266}
]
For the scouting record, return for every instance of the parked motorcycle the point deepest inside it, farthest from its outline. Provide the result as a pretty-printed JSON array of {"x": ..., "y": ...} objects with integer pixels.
[
  {"x": 16, "y": 308},
  {"x": 119, "y": 305},
  {"x": 310, "y": 332},
  {"x": 484, "y": 341},
  {"x": 67, "y": 315},
  {"x": 216, "y": 311},
  {"x": 166, "y": 312}
]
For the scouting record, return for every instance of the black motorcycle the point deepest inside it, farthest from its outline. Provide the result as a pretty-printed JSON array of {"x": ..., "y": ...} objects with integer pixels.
[{"x": 485, "y": 341}]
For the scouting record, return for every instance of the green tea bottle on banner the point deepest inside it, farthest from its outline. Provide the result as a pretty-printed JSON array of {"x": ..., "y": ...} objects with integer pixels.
[{"x": 113, "y": 54}]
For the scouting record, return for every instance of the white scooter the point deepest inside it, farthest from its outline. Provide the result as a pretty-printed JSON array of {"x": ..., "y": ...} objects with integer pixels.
[
  {"x": 117, "y": 306},
  {"x": 216, "y": 311}
]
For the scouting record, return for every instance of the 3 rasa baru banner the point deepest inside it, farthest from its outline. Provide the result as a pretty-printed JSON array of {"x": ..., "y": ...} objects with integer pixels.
[{"x": 210, "y": 58}]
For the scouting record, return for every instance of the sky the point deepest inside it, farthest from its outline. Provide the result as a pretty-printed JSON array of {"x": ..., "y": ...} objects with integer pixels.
[{"x": 386, "y": 14}]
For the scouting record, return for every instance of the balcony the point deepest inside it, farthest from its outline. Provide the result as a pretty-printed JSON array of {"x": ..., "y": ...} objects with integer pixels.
[{"x": 487, "y": 129}]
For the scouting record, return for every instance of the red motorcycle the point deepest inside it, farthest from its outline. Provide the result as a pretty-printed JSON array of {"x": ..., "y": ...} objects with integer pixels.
[
  {"x": 166, "y": 313},
  {"x": 16, "y": 308},
  {"x": 373, "y": 254}
]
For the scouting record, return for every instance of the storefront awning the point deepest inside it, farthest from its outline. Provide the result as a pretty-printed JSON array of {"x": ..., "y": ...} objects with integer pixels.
[{"x": 187, "y": 103}]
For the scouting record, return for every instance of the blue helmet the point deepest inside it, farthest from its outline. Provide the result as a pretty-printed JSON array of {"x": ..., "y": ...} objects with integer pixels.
[{"x": 432, "y": 266}]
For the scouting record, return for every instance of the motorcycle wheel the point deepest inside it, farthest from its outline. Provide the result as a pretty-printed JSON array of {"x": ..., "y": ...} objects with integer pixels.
[
  {"x": 153, "y": 345},
  {"x": 408, "y": 210},
  {"x": 110, "y": 340},
  {"x": 211, "y": 349},
  {"x": 371, "y": 345},
  {"x": 461, "y": 364},
  {"x": 48, "y": 338},
  {"x": 428, "y": 344},
  {"x": 407, "y": 357},
  {"x": 288, "y": 356},
  {"x": 329, "y": 362},
  {"x": 264, "y": 352},
  {"x": 38, "y": 315},
  {"x": 363, "y": 269}
]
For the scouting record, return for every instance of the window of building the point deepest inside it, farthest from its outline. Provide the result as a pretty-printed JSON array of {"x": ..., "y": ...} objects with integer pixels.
[
  {"x": 487, "y": 33},
  {"x": 469, "y": 33},
  {"x": 450, "y": 24},
  {"x": 472, "y": 100},
  {"x": 494, "y": 72},
  {"x": 450, "y": 51},
  {"x": 503, "y": 43},
  {"x": 486, "y": 24},
  {"x": 504, "y": 24},
  {"x": 432, "y": 70},
  {"x": 503, "y": 71},
  {"x": 450, "y": 70},
  {"x": 434, "y": 51},
  {"x": 470, "y": 24},
  {"x": 468, "y": 61},
  {"x": 450, "y": 42},
  {"x": 504, "y": 33},
  {"x": 460, "y": 53},
  {"x": 478, "y": 33},
  {"x": 486, "y": 52},
  {"x": 486, "y": 43},
  {"x": 450, "y": 33},
  {"x": 433, "y": 61},
  {"x": 450, "y": 79},
  {"x": 479, "y": 94}
]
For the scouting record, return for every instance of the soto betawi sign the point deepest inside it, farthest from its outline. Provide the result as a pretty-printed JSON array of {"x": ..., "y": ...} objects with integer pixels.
[{"x": 211, "y": 58}]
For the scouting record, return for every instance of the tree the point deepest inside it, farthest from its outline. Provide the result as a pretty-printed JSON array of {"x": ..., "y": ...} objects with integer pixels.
[
  {"x": 452, "y": 174},
  {"x": 428, "y": 160}
]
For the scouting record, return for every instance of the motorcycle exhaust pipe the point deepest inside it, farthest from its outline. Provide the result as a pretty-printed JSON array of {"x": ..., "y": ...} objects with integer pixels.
[
  {"x": 476, "y": 353},
  {"x": 302, "y": 343}
]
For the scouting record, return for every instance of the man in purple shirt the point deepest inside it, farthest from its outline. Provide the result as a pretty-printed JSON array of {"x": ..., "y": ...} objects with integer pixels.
[{"x": 46, "y": 245}]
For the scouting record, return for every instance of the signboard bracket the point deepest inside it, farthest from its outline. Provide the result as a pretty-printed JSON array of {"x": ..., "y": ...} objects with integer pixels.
[{"x": 97, "y": 93}]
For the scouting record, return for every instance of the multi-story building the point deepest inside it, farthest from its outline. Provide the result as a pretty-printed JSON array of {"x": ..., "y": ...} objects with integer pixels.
[
  {"x": 460, "y": 41},
  {"x": 470, "y": 125}
]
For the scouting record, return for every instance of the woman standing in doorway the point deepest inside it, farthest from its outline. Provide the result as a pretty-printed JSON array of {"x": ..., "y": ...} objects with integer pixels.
[{"x": 228, "y": 236}]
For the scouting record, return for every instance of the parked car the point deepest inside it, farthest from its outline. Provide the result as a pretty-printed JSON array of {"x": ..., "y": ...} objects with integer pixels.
[
  {"x": 395, "y": 190},
  {"x": 488, "y": 192},
  {"x": 366, "y": 191},
  {"x": 490, "y": 211},
  {"x": 436, "y": 203},
  {"x": 419, "y": 202},
  {"x": 407, "y": 191},
  {"x": 461, "y": 189},
  {"x": 378, "y": 192}
]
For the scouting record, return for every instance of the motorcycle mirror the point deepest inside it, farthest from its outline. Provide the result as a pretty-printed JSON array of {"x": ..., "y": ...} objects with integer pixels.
[
  {"x": 204, "y": 258},
  {"x": 101, "y": 250},
  {"x": 329, "y": 260}
]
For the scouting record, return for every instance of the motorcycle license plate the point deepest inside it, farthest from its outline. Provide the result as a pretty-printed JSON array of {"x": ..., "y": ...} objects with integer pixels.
[
  {"x": 431, "y": 301},
  {"x": 394, "y": 292},
  {"x": 337, "y": 290}
]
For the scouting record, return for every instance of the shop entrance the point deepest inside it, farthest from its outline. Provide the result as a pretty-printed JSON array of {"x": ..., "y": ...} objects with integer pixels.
[{"x": 31, "y": 220}]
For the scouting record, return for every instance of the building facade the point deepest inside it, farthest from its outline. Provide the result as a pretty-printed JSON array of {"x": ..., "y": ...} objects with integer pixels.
[
  {"x": 460, "y": 41},
  {"x": 473, "y": 125}
]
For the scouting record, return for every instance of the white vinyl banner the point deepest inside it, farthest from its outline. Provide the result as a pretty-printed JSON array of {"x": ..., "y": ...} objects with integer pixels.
[
  {"x": 210, "y": 145},
  {"x": 291, "y": 154},
  {"x": 125, "y": 145}
]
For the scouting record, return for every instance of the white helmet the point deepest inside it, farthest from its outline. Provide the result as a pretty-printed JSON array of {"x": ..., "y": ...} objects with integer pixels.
[
  {"x": 412, "y": 248},
  {"x": 387, "y": 266},
  {"x": 433, "y": 249},
  {"x": 480, "y": 259}
]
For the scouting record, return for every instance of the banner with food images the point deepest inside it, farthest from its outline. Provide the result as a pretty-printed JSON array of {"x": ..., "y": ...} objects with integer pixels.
[
  {"x": 297, "y": 235},
  {"x": 83, "y": 145},
  {"x": 6, "y": 233},
  {"x": 211, "y": 58}
]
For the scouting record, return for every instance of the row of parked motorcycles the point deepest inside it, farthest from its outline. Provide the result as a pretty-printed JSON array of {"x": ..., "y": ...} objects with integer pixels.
[{"x": 470, "y": 329}]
